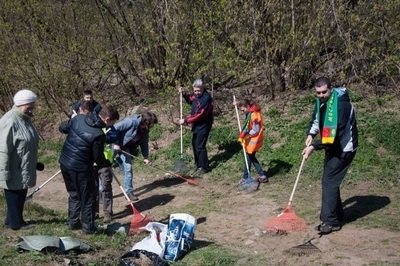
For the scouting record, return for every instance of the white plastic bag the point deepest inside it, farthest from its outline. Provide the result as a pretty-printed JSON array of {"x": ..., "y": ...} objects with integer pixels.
[
  {"x": 155, "y": 241},
  {"x": 180, "y": 236}
]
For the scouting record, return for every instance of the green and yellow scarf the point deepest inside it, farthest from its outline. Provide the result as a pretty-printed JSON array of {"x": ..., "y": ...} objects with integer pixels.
[
  {"x": 331, "y": 118},
  {"x": 247, "y": 122}
]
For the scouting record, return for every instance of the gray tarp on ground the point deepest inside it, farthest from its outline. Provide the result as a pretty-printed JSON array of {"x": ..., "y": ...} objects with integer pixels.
[{"x": 51, "y": 244}]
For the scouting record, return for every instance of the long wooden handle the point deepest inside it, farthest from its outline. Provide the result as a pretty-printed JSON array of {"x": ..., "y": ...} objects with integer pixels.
[
  {"x": 135, "y": 211},
  {"x": 190, "y": 181},
  {"x": 181, "y": 116},
  {"x": 240, "y": 128},
  {"x": 42, "y": 185},
  {"x": 297, "y": 181}
]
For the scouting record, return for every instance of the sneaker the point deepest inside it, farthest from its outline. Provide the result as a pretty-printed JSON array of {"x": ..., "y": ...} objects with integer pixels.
[
  {"x": 243, "y": 181},
  {"x": 87, "y": 232},
  {"x": 76, "y": 226},
  {"x": 24, "y": 227},
  {"x": 262, "y": 179},
  {"x": 132, "y": 197},
  {"x": 107, "y": 218},
  {"x": 326, "y": 228},
  {"x": 200, "y": 172}
]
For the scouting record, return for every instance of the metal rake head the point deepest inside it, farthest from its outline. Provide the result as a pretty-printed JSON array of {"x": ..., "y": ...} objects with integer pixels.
[
  {"x": 304, "y": 249},
  {"x": 180, "y": 167}
]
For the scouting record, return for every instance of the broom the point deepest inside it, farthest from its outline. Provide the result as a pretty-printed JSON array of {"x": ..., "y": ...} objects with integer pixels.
[
  {"x": 139, "y": 220},
  {"x": 287, "y": 221}
]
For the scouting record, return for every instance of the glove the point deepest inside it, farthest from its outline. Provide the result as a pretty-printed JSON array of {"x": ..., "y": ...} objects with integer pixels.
[
  {"x": 39, "y": 166},
  {"x": 118, "y": 161},
  {"x": 241, "y": 140}
]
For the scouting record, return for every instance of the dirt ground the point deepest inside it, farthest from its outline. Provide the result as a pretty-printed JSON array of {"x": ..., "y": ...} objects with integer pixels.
[
  {"x": 239, "y": 220},
  {"x": 241, "y": 224}
]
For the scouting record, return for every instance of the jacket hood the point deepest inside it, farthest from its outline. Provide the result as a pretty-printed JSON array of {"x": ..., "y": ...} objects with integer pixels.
[
  {"x": 94, "y": 120},
  {"x": 342, "y": 94},
  {"x": 254, "y": 108}
]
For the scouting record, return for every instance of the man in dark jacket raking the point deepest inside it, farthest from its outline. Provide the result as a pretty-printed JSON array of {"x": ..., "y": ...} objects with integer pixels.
[
  {"x": 334, "y": 118},
  {"x": 201, "y": 117},
  {"x": 83, "y": 147}
]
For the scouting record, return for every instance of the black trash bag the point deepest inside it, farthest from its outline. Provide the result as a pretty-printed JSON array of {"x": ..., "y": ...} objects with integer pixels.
[{"x": 141, "y": 257}]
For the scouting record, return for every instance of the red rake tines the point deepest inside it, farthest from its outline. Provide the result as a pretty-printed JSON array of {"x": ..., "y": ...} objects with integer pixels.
[
  {"x": 287, "y": 221},
  {"x": 138, "y": 220}
]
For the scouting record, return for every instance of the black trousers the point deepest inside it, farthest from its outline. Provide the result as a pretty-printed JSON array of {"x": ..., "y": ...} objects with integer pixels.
[
  {"x": 199, "y": 142},
  {"x": 15, "y": 200},
  {"x": 81, "y": 187},
  {"x": 335, "y": 169}
]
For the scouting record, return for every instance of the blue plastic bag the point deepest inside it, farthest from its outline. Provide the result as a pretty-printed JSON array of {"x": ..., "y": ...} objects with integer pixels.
[{"x": 180, "y": 236}]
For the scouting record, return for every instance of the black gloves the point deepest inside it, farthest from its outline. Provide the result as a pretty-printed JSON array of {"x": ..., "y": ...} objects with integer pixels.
[{"x": 39, "y": 166}]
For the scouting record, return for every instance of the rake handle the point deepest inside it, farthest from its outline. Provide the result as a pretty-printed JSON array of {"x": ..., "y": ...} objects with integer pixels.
[
  {"x": 123, "y": 191},
  {"x": 190, "y": 181},
  {"x": 297, "y": 181},
  {"x": 181, "y": 115},
  {"x": 42, "y": 185},
  {"x": 244, "y": 149}
]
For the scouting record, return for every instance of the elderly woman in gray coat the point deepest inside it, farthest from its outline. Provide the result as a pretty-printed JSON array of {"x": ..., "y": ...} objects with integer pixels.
[{"x": 18, "y": 157}]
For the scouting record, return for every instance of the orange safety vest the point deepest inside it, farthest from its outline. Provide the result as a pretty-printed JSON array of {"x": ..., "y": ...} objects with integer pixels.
[{"x": 255, "y": 143}]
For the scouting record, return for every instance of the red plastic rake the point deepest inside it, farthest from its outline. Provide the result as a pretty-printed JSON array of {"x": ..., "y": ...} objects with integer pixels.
[
  {"x": 287, "y": 221},
  {"x": 139, "y": 220}
]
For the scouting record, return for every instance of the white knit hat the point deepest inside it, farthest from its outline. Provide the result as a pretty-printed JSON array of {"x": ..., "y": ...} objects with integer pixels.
[{"x": 24, "y": 97}]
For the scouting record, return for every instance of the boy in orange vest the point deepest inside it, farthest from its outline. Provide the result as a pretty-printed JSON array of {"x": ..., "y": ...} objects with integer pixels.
[{"x": 251, "y": 136}]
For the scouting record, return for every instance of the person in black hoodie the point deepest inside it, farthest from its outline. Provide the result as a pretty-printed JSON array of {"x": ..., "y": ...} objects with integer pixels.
[
  {"x": 334, "y": 118},
  {"x": 83, "y": 147},
  {"x": 201, "y": 117},
  {"x": 87, "y": 97}
]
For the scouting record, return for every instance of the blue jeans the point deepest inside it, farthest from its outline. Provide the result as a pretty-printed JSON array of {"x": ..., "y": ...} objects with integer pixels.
[
  {"x": 252, "y": 160},
  {"x": 125, "y": 165}
]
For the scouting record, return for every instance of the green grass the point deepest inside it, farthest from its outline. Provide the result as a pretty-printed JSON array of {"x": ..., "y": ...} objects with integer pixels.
[
  {"x": 49, "y": 153},
  {"x": 375, "y": 166}
]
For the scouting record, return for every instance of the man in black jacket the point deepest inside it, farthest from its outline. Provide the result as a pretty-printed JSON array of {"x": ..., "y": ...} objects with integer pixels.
[
  {"x": 87, "y": 97},
  {"x": 83, "y": 147},
  {"x": 201, "y": 117},
  {"x": 334, "y": 118}
]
